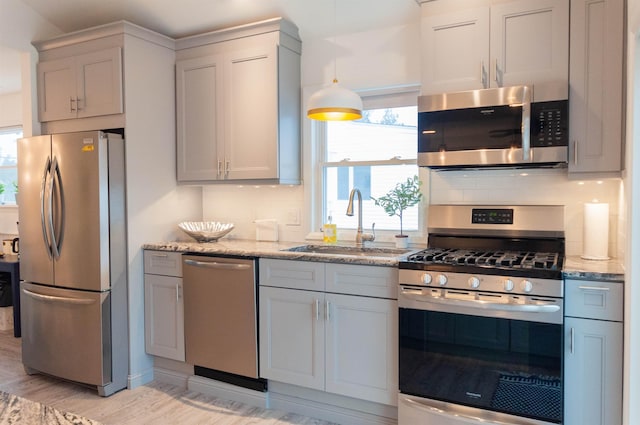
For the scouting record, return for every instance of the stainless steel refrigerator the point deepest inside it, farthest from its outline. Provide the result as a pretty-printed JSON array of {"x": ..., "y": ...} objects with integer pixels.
[{"x": 73, "y": 258}]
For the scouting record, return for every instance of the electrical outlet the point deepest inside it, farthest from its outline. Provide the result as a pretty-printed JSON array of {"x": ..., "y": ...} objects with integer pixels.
[{"x": 293, "y": 217}]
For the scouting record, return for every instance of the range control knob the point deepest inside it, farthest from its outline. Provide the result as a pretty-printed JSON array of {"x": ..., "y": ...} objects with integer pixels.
[
  {"x": 442, "y": 279},
  {"x": 508, "y": 285},
  {"x": 426, "y": 278},
  {"x": 526, "y": 285},
  {"x": 473, "y": 282}
]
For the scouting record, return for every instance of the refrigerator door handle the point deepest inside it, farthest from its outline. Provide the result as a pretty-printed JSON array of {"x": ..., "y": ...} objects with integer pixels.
[
  {"x": 43, "y": 186},
  {"x": 52, "y": 298},
  {"x": 56, "y": 181}
]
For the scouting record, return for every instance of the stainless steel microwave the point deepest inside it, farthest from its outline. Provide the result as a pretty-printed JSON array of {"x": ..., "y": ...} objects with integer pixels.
[{"x": 500, "y": 127}]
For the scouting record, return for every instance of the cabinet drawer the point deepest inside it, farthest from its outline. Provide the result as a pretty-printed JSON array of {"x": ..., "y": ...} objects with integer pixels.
[
  {"x": 163, "y": 263},
  {"x": 291, "y": 274},
  {"x": 594, "y": 300},
  {"x": 372, "y": 281}
]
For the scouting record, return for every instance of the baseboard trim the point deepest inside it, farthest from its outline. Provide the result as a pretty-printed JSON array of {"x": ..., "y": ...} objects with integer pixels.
[
  {"x": 273, "y": 400},
  {"x": 172, "y": 377},
  {"x": 327, "y": 412},
  {"x": 134, "y": 381},
  {"x": 228, "y": 391}
]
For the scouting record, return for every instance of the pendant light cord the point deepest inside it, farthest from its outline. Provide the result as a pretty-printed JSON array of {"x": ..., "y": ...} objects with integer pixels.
[{"x": 335, "y": 38}]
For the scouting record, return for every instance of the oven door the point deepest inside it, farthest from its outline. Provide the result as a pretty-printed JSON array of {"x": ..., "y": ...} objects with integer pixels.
[{"x": 491, "y": 360}]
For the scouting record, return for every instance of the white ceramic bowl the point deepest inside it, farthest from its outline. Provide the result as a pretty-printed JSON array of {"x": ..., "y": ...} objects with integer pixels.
[{"x": 205, "y": 231}]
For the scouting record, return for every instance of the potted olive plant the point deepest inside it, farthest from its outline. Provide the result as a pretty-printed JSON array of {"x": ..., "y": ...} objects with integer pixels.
[{"x": 402, "y": 196}]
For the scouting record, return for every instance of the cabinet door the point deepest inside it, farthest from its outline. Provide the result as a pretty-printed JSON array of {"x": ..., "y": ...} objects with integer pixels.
[
  {"x": 57, "y": 89},
  {"x": 593, "y": 372},
  {"x": 529, "y": 42},
  {"x": 292, "y": 336},
  {"x": 595, "y": 110},
  {"x": 164, "y": 316},
  {"x": 200, "y": 118},
  {"x": 362, "y": 347},
  {"x": 251, "y": 114},
  {"x": 455, "y": 52},
  {"x": 99, "y": 83}
]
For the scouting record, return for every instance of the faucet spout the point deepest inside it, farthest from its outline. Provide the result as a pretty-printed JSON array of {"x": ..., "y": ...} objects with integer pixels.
[{"x": 360, "y": 236}]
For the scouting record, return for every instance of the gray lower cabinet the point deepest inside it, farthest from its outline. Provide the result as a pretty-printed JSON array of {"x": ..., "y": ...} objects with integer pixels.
[
  {"x": 342, "y": 343},
  {"x": 593, "y": 361},
  {"x": 163, "y": 305}
]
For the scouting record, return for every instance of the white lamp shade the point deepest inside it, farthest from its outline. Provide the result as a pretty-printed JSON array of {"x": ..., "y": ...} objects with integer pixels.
[{"x": 334, "y": 103}]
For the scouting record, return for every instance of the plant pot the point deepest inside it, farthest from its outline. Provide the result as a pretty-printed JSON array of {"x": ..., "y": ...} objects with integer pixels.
[{"x": 402, "y": 241}]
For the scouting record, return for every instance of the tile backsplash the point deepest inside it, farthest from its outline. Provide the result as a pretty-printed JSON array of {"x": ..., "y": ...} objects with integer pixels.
[{"x": 533, "y": 187}]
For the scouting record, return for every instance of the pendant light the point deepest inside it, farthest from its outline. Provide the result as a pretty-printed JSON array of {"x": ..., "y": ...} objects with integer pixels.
[{"x": 334, "y": 103}]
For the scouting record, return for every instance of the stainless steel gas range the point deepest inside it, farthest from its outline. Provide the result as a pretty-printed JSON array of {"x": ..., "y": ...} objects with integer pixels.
[{"x": 481, "y": 318}]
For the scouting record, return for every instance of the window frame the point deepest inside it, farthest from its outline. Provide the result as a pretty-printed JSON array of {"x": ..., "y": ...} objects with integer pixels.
[{"x": 400, "y": 96}]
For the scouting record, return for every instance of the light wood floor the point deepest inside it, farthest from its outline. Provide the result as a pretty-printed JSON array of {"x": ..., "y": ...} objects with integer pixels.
[{"x": 155, "y": 403}]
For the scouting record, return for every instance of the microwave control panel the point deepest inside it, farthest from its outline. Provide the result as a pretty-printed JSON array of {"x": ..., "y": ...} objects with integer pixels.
[{"x": 549, "y": 123}]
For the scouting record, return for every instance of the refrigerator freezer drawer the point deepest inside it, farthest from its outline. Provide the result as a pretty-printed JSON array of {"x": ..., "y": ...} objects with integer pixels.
[{"x": 66, "y": 333}]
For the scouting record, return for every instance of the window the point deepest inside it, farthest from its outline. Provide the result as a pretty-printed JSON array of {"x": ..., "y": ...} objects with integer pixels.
[
  {"x": 9, "y": 164},
  {"x": 372, "y": 154}
]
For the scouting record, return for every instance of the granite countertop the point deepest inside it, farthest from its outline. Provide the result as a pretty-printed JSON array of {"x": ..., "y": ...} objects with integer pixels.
[
  {"x": 251, "y": 248},
  {"x": 574, "y": 266}
]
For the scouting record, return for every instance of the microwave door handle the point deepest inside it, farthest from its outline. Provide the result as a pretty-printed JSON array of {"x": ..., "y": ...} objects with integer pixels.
[{"x": 526, "y": 128}]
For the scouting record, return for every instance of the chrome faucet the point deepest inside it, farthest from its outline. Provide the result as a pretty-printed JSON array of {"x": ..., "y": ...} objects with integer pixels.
[{"x": 360, "y": 237}]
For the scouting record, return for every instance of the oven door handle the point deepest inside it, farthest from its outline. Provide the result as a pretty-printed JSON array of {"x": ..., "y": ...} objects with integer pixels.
[
  {"x": 417, "y": 295},
  {"x": 448, "y": 415}
]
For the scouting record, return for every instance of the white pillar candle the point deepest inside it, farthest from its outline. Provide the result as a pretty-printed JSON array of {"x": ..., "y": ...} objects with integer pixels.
[{"x": 595, "y": 242}]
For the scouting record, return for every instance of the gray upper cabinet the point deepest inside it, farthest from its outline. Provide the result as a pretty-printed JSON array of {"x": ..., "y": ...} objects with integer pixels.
[
  {"x": 502, "y": 44},
  {"x": 80, "y": 86},
  {"x": 238, "y": 105},
  {"x": 596, "y": 88}
]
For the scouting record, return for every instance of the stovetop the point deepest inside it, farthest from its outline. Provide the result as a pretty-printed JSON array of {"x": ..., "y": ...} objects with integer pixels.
[
  {"x": 516, "y": 241},
  {"x": 500, "y": 262},
  {"x": 516, "y": 259}
]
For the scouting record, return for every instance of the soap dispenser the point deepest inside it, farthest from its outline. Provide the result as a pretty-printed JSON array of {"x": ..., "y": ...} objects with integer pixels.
[{"x": 329, "y": 231}]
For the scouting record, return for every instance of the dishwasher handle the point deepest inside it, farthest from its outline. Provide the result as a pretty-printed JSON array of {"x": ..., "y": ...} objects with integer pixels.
[{"x": 216, "y": 265}]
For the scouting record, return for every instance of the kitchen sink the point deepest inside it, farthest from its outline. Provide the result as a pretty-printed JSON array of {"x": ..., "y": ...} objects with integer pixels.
[{"x": 349, "y": 250}]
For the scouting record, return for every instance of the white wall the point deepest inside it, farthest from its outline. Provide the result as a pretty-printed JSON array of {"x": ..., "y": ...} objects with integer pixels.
[
  {"x": 20, "y": 25},
  {"x": 11, "y": 109},
  {"x": 537, "y": 187},
  {"x": 631, "y": 394}
]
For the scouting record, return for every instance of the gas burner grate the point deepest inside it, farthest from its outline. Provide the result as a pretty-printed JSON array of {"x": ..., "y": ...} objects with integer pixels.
[{"x": 502, "y": 259}]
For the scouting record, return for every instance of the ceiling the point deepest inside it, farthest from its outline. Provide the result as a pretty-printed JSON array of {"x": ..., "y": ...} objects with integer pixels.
[{"x": 314, "y": 18}]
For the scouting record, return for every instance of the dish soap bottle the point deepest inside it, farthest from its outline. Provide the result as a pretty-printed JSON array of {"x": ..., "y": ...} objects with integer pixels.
[{"x": 329, "y": 232}]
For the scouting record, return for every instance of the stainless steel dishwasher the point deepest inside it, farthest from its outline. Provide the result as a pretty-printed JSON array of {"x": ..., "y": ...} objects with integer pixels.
[{"x": 220, "y": 317}]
